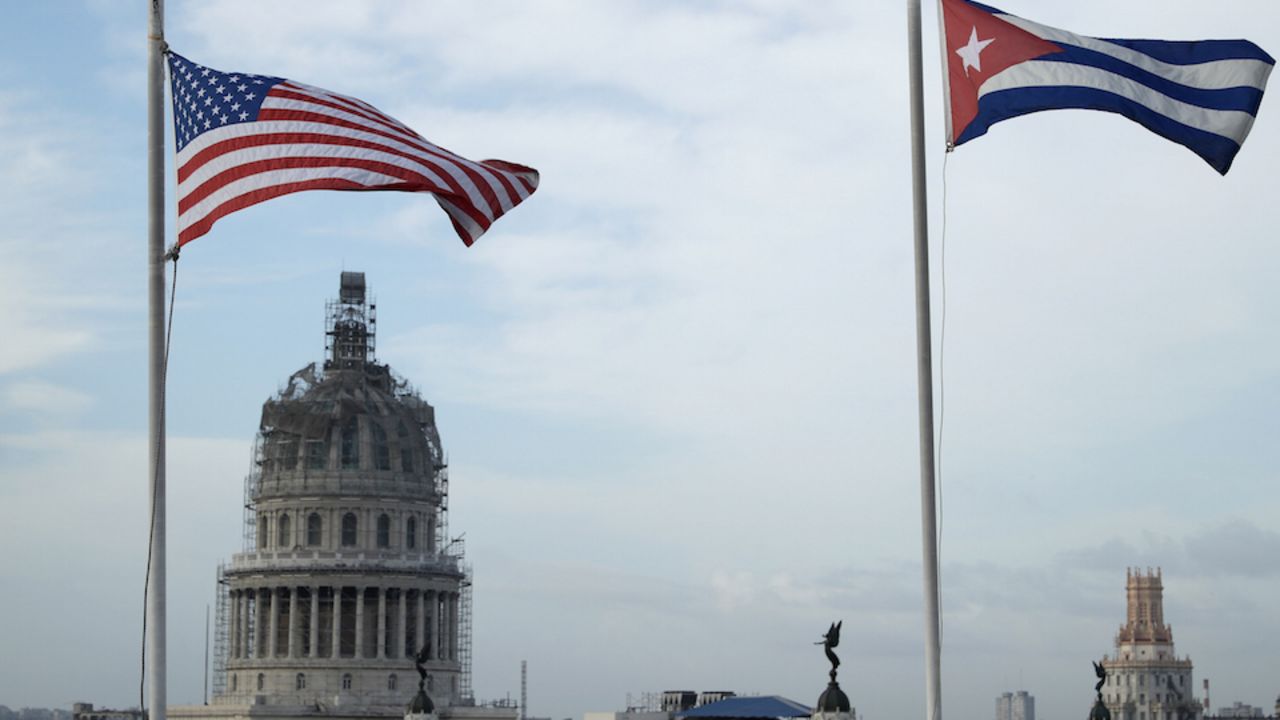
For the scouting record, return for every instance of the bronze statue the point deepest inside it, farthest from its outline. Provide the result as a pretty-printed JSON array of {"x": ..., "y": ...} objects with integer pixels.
[
  {"x": 421, "y": 703},
  {"x": 833, "y": 699},
  {"x": 830, "y": 640},
  {"x": 418, "y": 661},
  {"x": 1099, "y": 711}
]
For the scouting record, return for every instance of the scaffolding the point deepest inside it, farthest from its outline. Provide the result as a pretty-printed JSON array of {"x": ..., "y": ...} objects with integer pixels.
[
  {"x": 442, "y": 539},
  {"x": 352, "y": 322},
  {"x": 251, "y": 483},
  {"x": 464, "y": 638},
  {"x": 221, "y": 636}
]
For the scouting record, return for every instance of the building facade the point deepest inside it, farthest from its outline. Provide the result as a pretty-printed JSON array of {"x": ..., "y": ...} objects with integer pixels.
[
  {"x": 347, "y": 572},
  {"x": 1146, "y": 680}
]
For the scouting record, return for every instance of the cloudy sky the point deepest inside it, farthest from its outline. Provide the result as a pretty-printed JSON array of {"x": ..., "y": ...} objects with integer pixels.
[{"x": 677, "y": 386}]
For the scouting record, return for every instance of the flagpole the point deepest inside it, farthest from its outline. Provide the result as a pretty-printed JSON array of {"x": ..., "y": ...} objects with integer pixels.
[
  {"x": 155, "y": 612},
  {"x": 924, "y": 373}
]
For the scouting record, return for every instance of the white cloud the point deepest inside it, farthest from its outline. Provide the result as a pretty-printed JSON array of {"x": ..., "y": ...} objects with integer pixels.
[{"x": 44, "y": 399}]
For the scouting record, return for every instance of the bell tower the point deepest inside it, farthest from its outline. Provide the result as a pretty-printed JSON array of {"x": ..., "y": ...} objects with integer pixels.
[
  {"x": 1146, "y": 680},
  {"x": 1146, "y": 609}
]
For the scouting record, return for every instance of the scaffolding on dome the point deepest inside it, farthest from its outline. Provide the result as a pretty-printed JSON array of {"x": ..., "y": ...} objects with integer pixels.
[
  {"x": 252, "y": 480},
  {"x": 303, "y": 446},
  {"x": 220, "y": 633},
  {"x": 465, "y": 692}
]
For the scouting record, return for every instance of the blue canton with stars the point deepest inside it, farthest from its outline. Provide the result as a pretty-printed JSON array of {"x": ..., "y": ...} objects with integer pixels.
[{"x": 204, "y": 98}]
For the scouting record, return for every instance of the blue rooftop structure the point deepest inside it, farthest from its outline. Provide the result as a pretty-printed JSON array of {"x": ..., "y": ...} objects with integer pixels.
[{"x": 763, "y": 706}]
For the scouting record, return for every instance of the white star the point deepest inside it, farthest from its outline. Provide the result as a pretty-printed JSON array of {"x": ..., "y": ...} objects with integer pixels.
[
  {"x": 971, "y": 54},
  {"x": 244, "y": 116}
]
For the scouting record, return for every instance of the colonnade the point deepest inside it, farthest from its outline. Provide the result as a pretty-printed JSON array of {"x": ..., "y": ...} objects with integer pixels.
[{"x": 365, "y": 621}]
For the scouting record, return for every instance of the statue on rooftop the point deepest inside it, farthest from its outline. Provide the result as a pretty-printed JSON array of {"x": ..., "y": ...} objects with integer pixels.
[
  {"x": 830, "y": 640},
  {"x": 1099, "y": 711}
]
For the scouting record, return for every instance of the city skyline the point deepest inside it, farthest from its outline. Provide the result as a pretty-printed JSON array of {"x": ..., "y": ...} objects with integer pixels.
[{"x": 676, "y": 386}]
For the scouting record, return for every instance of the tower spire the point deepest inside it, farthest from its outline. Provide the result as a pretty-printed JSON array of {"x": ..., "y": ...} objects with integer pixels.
[{"x": 352, "y": 325}]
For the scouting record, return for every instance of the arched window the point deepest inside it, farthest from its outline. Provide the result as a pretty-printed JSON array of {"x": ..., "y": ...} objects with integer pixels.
[
  {"x": 262, "y": 681},
  {"x": 284, "y": 538},
  {"x": 263, "y": 530},
  {"x": 346, "y": 681},
  {"x": 384, "y": 531},
  {"x": 391, "y": 681},
  {"x": 315, "y": 526},
  {"x": 411, "y": 533},
  {"x": 300, "y": 682},
  {"x": 318, "y": 453},
  {"x": 351, "y": 444},
  {"x": 287, "y": 452},
  {"x": 406, "y": 447},
  {"x": 381, "y": 450},
  {"x": 349, "y": 530},
  {"x": 233, "y": 682}
]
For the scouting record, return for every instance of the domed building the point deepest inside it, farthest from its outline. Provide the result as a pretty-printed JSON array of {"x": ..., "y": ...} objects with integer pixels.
[{"x": 347, "y": 572}]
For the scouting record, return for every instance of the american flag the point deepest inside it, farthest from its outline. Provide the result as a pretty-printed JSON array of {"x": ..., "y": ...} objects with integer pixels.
[{"x": 245, "y": 138}]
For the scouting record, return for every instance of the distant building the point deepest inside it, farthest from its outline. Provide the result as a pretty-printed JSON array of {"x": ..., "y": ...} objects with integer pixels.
[
  {"x": 1240, "y": 710},
  {"x": 1146, "y": 680},
  {"x": 85, "y": 711},
  {"x": 719, "y": 704},
  {"x": 1016, "y": 706}
]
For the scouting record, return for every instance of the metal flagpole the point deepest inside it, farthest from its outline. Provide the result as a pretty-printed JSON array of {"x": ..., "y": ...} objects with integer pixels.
[
  {"x": 155, "y": 612},
  {"x": 924, "y": 374}
]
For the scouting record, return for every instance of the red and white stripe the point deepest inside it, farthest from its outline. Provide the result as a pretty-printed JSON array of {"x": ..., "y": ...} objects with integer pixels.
[{"x": 306, "y": 138}]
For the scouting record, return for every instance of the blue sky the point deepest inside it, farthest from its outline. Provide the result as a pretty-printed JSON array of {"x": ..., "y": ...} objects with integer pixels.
[{"x": 677, "y": 386}]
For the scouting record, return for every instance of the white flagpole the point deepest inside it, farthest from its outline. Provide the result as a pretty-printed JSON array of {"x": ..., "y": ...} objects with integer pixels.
[
  {"x": 924, "y": 374},
  {"x": 155, "y": 612}
]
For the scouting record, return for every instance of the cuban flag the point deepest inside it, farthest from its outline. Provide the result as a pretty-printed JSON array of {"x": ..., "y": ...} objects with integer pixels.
[{"x": 1203, "y": 94}]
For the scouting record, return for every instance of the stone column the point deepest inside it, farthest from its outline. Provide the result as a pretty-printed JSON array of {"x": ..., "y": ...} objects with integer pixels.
[
  {"x": 446, "y": 625},
  {"x": 442, "y": 625},
  {"x": 419, "y": 610},
  {"x": 273, "y": 623},
  {"x": 397, "y": 645},
  {"x": 255, "y": 622},
  {"x": 382, "y": 623},
  {"x": 315, "y": 623},
  {"x": 334, "y": 648},
  {"x": 360, "y": 622},
  {"x": 444, "y": 632},
  {"x": 453, "y": 626},
  {"x": 437, "y": 625},
  {"x": 429, "y": 622},
  {"x": 295, "y": 646},
  {"x": 233, "y": 607},
  {"x": 247, "y": 598}
]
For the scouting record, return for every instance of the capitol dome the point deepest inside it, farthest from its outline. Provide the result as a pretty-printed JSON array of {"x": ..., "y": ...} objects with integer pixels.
[{"x": 347, "y": 572}]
